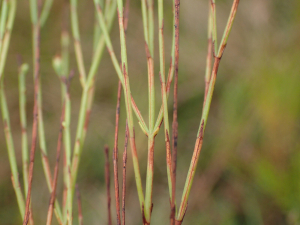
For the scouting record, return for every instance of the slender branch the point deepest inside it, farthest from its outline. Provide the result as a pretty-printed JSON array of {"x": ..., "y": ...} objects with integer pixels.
[
  {"x": 6, "y": 38},
  {"x": 175, "y": 122},
  {"x": 11, "y": 153},
  {"x": 36, "y": 46},
  {"x": 127, "y": 93},
  {"x": 4, "y": 12},
  {"x": 150, "y": 168},
  {"x": 214, "y": 25},
  {"x": 209, "y": 55},
  {"x": 87, "y": 99},
  {"x": 55, "y": 176},
  {"x": 77, "y": 43},
  {"x": 23, "y": 69},
  {"x": 107, "y": 182},
  {"x": 80, "y": 217},
  {"x": 203, "y": 121},
  {"x": 115, "y": 155},
  {"x": 45, "y": 12},
  {"x": 124, "y": 175}
]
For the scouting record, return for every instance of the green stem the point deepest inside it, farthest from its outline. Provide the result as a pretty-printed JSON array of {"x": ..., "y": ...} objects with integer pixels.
[
  {"x": 77, "y": 43},
  {"x": 11, "y": 153},
  {"x": 86, "y": 99},
  {"x": 205, "y": 112},
  {"x": 127, "y": 94},
  {"x": 4, "y": 108},
  {"x": 45, "y": 12},
  {"x": 22, "y": 104}
]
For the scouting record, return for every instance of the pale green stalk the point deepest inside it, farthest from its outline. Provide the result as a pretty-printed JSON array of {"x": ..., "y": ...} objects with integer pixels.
[
  {"x": 205, "y": 112},
  {"x": 126, "y": 88},
  {"x": 127, "y": 94},
  {"x": 41, "y": 130},
  {"x": 22, "y": 104},
  {"x": 145, "y": 20},
  {"x": 214, "y": 26},
  {"x": 117, "y": 68},
  {"x": 6, "y": 39},
  {"x": 86, "y": 99},
  {"x": 170, "y": 76},
  {"x": 45, "y": 12},
  {"x": 77, "y": 43},
  {"x": 164, "y": 93},
  {"x": 11, "y": 153},
  {"x": 151, "y": 26},
  {"x": 4, "y": 11},
  {"x": 5, "y": 112}
]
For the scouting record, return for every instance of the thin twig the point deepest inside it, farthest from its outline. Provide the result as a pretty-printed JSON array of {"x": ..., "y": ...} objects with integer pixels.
[
  {"x": 206, "y": 108},
  {"x": 209, "y": 55},
  {"x": 55, "y": 176},
  {"x": 124, "y": 175},
  {"x": 175, "y": 105},
  {"x": 115, "y": 155},
  {"x": 80, "y": 217},
  {"x": 36, "y": 41},
  {"x": 107, "y": 181}
]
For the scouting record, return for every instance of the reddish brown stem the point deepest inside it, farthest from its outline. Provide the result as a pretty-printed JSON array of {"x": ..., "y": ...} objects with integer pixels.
[
  {"x": 107, "y": 181},
  {"x": 208, "y": 67},
  {"x": 124, "y": 175},
  {"x": 175, "y": 105},
  {"x": 36, "y": 34},
  {"x": 115, "y": 156},
  {"x": 54, "y": 184},
  {"x": 80, "y": 217}
]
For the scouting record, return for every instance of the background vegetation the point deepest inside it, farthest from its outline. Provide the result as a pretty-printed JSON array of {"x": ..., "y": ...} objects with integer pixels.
[{"x": 249, "y": 167}]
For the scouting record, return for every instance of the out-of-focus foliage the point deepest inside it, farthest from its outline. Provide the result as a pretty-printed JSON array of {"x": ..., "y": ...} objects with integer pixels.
[{"x": 249, "y": 166}]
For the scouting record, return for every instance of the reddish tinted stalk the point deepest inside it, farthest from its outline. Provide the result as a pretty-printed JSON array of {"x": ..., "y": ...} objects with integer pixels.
[
  {"x": 80, "y": 217},
  {"x": 36, "y": 37},
  {"x": 115, "y": 156},
  {"x": 175, "y": 105},
  {"x": 107, "y": 181},
  {"x": 54, "y": 184},
  {"x": 124, "y": 175}
]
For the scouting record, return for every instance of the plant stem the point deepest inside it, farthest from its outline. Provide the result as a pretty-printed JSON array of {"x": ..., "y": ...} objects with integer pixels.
[
  {"x": 175, "y": 122},
  {"x": 55, "y": 176},
  {"x": 124, "y": 174},
  {"x": 45, "y": 12},
  {"x": 36, "y": 75},
  {"x": 23, "y": 69},
  {"x": 203, "y": 121},
  {"x": 11, "y": 152},
  {"x": 115, "y": 155},
  {"x": 107, "y": 182},
  {"x": 80, "y": 218}
]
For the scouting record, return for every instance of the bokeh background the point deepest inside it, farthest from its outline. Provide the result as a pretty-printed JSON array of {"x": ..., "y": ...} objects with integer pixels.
[{"x": 249, "y": 168}]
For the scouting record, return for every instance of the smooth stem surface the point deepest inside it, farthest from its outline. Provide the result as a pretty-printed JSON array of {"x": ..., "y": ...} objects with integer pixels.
[
  {"x": 175, "y": 106},
  {"x": 6, "y": 38},
  {"x": 214, "y": 25},
  {"x": 150, "y": 4},
  {"x": 203, "y": 121},
  {"x": 5, "y": 112},
  {"x": 36, "y": 77},
  {"x": 22, "y": 105},
  {"x": 86, "y": 99},
  {"x": 11, "y": 153},
  {"x": 117, "y": 67},
  {"x": 45, "y": 12},
  {"x": 4, "y": 12},
  {"x": 127, "y": 94},
  {"x": 77, "y": 43}
]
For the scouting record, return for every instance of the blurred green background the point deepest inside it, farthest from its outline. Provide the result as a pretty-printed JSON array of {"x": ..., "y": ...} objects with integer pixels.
[{"x": 249, "y": 168}]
